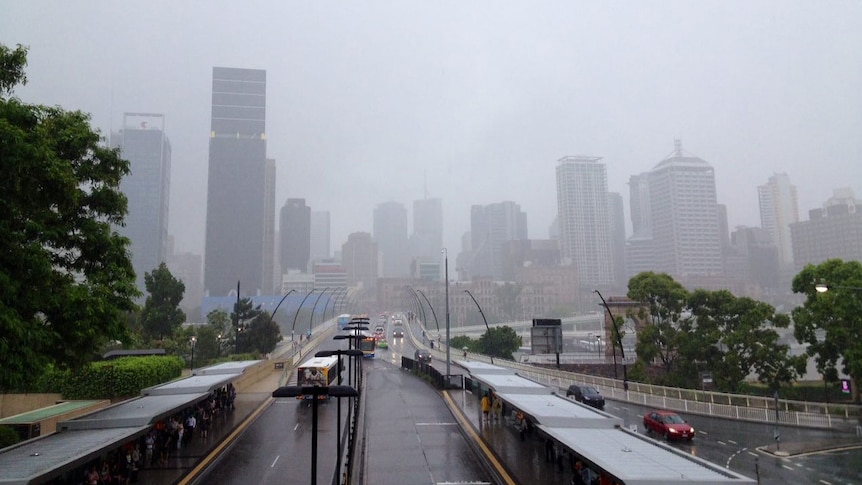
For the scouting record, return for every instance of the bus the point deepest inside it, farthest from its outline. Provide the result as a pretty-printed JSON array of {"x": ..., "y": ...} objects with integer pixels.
[
  {"x": 317, "y": 372},
  {"x": 367, "y": 344},
  {"x": 343, "y": 320}
]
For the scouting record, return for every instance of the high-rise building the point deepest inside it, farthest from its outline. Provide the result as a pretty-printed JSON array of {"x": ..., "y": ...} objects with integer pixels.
[
  {"x": 684, "y": 217},
  {"x": 236, "y": 232},
  {"x": 359, "y": 257},
  {"x": 778, "y": 210},
  {"x": 295, "y": 230},
  {"x": 617, "y": 224},
  {"x": 582, "y": 205},
  {"x": 320, "y": 235},
  {"x": 390, "y": 233},
  {"x": 490, "y": 226},
  {"x": 639, "y": 204},
  {"x": 427, "y": 238},
  {"x": 147, "y": 188},
  {"x": 270, "y": 279},
  {"x": 835, "y": 231}
]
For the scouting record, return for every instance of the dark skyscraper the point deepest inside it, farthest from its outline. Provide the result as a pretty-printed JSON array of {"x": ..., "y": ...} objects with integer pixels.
[
  {"x": 144, "y": 144},
  {"x": 237, "y": 190},
  {"x": 295, "y": 229}
]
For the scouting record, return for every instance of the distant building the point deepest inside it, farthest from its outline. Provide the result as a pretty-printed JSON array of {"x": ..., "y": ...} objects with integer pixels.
[
  {"x": 585, "y": 231},
  {"x": 359, "y": 256},
  {"x": 684, "y": 217},
  {"x": 427, "y": 238},
  {"x": 237, "y": 188},
  {"x": 520, "y": 253},
  {"x": 147, "y": 188},
  {"x": 834, "y": 231},
  {"x": 269, "y": 264},
  {"x": 491, "y": 226},
  {"x": 298, "y": 281},
  {"x": 753, "y": 261},
  {"x": 295, "y": 230},
  {"x": 188, "y": 268},
  {"x": 617, "y": 225},
  {"x": 329, "y": 273},
  {"x": 778, "y": 210},
  {"x": 390, "y": 233},
  {"x": 320, "y": 235}
]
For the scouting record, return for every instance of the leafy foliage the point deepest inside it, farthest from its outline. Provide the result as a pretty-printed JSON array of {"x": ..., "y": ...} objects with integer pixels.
[
  {"x": 500, "y": 342},
  {"x": 8, "y": 436},
  {"x": 162, "y": 316},
  {"x": 830, "y": 322},
  {"x": 66, "y": 279},
  {"x": 666, "y": 300},
  {"x": 122, "y": 377}
]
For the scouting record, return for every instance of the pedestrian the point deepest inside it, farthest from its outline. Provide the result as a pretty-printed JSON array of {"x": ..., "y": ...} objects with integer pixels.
[
  {"x": 486, "y": 407},
  {"x": 191, "y": 423},
  {"x": 497, "y": 408},
  {"x": 581, "y": 474},
  {"x": 522, "y": 425}
]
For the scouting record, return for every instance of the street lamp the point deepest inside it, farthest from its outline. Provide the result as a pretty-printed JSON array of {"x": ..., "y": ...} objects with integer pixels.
[
  {"x": 619, "y": 341},
  {"x": 293, "y": 327},
  {"x": 432, "y": 308},
  {"x": 272, "y": 315},
  {"x": 236, "y": 328},
  {"x": 311, "y": 319},
  {"x": 350, "y": 353},
  {"x": 445, "y": 253},
  {"x": 315, "y": 392},
  {"x": 192, "y": 341},
  {"x": 823, "y": 287},
  {"x": 483, "y": 319}
]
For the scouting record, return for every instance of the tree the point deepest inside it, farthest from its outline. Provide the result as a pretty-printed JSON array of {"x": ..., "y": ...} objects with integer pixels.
[
  {"x": 263, "y": 334},
  {"x": 500, "y": 342},
  {"x": 244, "y": 313},
  {"x": 830, "y": 323},
  {"x": 735, "y": 337},
  {"x": 665, "y": 300},
  {"x": 66, "y": 279},
  {"x": 162, "y": 315}
]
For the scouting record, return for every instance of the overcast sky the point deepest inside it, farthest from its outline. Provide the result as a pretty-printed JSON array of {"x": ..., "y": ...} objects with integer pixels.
[{"x": 367, "y": 100}]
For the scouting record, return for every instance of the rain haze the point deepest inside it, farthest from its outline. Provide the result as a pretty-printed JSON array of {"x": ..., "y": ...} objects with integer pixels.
[{"x": 469, "y": 102}]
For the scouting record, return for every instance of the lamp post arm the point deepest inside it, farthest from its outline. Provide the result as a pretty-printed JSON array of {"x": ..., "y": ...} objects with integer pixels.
[
  {"x": 272, "y": 315},
  {"x": 432, "y": 309},
  {"x": 480, "y": 310},
  {"x": 618, "y": 339},
  {"x": 298, "y": 309}
]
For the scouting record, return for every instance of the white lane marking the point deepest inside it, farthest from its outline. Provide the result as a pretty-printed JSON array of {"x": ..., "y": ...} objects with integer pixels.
[
  {"x": 296, "y": 427},
  {"x": 732, "y": 442},
  {"x": 721, "y": 442},
  {"x": 787, "y": 467},
  {"x": 436, "y": 424},
  {"x": 752, "y": 453},
  {"x": 275, "y": 461},
  {"x": 824, "y": 482}
]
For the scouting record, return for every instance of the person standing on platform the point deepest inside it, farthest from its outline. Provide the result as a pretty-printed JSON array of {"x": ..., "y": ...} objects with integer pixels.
[{"x": 486, "y": 407}]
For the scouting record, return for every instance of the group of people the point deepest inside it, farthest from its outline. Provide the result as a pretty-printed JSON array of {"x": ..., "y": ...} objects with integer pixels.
[
  {"x": 492, "y": 408},
  {"x": 118, "y": 468}
]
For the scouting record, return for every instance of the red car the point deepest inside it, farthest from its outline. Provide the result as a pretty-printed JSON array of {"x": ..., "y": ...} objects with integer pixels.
[{"x": 668, "y": 424}]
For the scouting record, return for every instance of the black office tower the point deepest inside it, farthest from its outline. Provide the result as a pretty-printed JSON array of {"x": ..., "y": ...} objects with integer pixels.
[{"x": 236, "y": 191}]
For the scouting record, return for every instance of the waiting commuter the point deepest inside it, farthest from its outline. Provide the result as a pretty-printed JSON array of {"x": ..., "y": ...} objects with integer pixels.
[
  {"x": 486, "y": 407},
  {"x": 497, "y": 408}
]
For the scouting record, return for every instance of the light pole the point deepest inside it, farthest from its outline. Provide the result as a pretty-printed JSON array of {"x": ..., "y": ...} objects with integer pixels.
[
  {"x": 293, "y": 327},
  {"x": 823, "y": 287},
  {"x": 311, "y": 319},
  {"x": 350, "y": 353},
  {"x": 619, "y": 342},
  {"x": 315, "y": 392},
  {"x": 448, "y": 347},
  {"x": 192, "y": 341},
  {"x": 432, "y": 308},
  {"x": 236, "y": 328},
  {"x": 272, "y": 315},
  {"x": 483, "y": 319}
]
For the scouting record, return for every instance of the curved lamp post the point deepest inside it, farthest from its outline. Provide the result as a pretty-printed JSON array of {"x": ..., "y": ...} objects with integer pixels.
[
  {"x": 272, "y": 315},
  {"x": 311, "y": 319},
  {"x": 432, "y": 309},
  {"x": 417, "y": 303},
  {"x": 293, "y": 327},
  {"x": 483, "y": 317},
  {"x": 193, "y": 340},
  {"x": 353, "y": 353},
  {"x": 333, "y": 299},
  {"x": 619, "y": 341}
]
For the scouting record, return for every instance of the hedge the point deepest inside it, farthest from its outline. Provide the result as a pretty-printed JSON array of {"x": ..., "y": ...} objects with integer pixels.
[{"x": 119, "y": 378}]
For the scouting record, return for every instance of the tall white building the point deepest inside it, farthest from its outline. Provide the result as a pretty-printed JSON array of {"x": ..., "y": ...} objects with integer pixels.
[
  {"x": 582, "y": 203},
  {"x": 684, "y": 217},
  {"x": 779, "y": 209}
]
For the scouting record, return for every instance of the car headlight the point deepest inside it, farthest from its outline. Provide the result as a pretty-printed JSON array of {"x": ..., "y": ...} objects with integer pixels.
[
  {"x": 692, "y": 430},
  {"x": 671, "y": 430}
]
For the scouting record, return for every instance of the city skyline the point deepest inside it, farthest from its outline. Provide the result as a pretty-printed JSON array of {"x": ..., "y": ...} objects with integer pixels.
[{"x": 476, "y": 110}]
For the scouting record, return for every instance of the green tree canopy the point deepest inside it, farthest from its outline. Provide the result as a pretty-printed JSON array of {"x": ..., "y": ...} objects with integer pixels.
[
  {"x": 500, "y": 342},
  {"x": 263, "y": 334},
  {"x": 66, "y": 279},
  {"x": 665, "y": 301},
  {"x": 831, "y": 322},
  {"x": 162, "y": 316},
  {"x": 243, "y": 314}
]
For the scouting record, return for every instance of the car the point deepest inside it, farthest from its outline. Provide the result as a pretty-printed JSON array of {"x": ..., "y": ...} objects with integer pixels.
[
  {"x": 379, "y": 332},
  {"x": 588, "y": 395},
  {"x": 397, "y": 333},
  {"x": 668, "y": 424},
  {"x": 422, "y": 355}
]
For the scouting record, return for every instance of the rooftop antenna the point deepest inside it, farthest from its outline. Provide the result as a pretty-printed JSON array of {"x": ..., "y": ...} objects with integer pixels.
[{"x": 677, "y": 147}]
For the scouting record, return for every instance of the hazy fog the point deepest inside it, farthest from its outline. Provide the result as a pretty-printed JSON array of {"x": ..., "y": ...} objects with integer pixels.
[{"x": 368, "y": 99}]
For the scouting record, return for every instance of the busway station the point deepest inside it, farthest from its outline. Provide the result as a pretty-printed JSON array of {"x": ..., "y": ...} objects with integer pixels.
[
  {"x": 62, "y": 457},
  {"x": 582, "y": 433}
]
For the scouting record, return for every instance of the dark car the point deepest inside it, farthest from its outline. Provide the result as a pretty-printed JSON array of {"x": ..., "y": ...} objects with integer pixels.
[
  {"x": 422, "y": 355},
  {"x": 586, "y": 394},
  {"x": 668, "y": 424},
  {"x": 397, "y": 333}
]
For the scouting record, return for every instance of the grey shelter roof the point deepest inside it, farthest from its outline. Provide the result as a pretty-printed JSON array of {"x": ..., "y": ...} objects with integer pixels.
[
  {"x": 476, "y": 367},
  {"x": 142, "y": 411},
  {"x": 227, "y": 368},
  {"x": 511, "y": 383},
  {"x": 553, "y": 410},
  {"x": 191, "y": 385},
  {"x": 638, "y": 460},
  {"x": 52, "y": 455}
]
